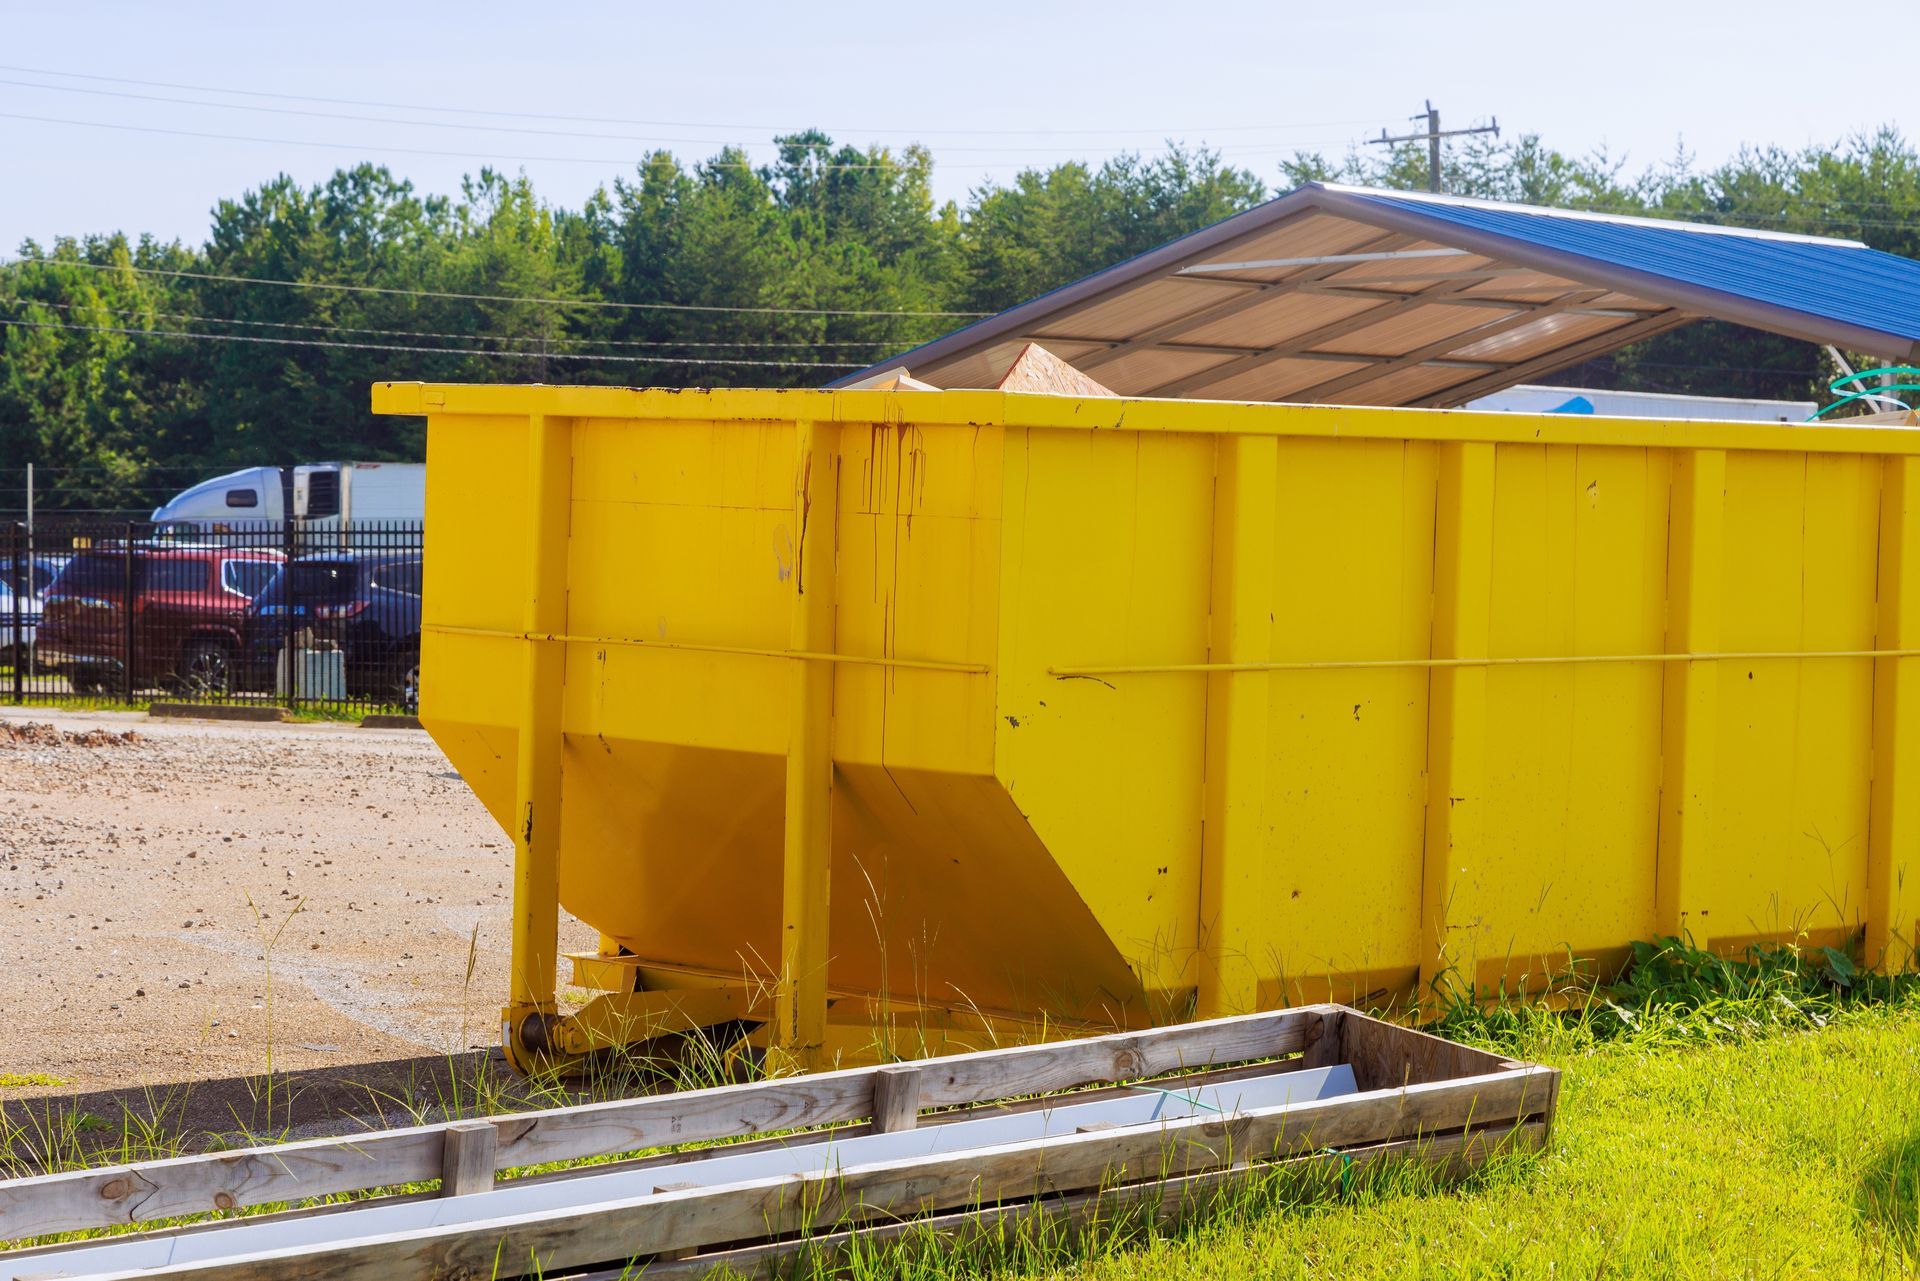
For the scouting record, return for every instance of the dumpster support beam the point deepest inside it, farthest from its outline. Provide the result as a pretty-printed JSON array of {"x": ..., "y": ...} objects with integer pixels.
[
  {"x": 1893, "y": 825},
  {"x": 1457, "y": 806},
  {"x": 800, "y": 994},
  {"x": 1236, "y": 831},
  {"x": 1696, "y": 564},
  {"x": 532, "y": 1006}
]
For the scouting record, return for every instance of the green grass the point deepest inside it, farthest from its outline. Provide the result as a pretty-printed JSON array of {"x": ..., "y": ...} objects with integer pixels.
[
  {"x": 29, "y": 1080},
  {"x": 1718, "y": 1118},
  {"x": 1793, "y": 1154},
  {"x": 1755, "y": 1117},
  {"x": 1751, "y": 1117}
]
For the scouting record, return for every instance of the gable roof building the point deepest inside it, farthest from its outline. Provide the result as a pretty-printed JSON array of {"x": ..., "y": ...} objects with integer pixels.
[{"x": 1348, "y": 295}]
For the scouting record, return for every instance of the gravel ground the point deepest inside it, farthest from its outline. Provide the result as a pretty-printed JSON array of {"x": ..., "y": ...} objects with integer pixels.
[{"x": 154, "y": 874}]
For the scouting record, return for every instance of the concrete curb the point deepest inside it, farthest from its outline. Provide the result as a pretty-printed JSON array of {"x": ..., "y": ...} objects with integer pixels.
[
  {"x": 386, "y": 720},
  {"x": 218, "y": 711}
]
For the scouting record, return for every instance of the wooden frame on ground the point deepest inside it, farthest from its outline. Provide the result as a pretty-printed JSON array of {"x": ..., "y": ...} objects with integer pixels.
[{"x": 1418, "y": 1098}]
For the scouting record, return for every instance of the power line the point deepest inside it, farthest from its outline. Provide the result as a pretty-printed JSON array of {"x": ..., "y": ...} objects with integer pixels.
[
  {"x": 436, "y": 351},
  {"x": 425, "y": 333},
  {"x": 519, "y": 129},
  {"x": 668, "y": 124},
  {"x": 457, "y": 297},
  {"x": 490, "y": 157}
]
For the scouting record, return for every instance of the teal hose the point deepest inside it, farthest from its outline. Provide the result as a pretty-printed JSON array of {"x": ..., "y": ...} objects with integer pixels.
[{"x": 1847, "y": 379}]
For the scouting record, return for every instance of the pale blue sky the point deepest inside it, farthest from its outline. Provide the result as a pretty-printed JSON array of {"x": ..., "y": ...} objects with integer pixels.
[{"x": 989, "y": 86}]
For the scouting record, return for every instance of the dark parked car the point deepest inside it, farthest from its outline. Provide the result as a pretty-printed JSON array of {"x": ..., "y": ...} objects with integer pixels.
[
  {"x": 367, "y": 604},
  {"x": 23, "y": 582},
  {"x": 185, "y": 619}
]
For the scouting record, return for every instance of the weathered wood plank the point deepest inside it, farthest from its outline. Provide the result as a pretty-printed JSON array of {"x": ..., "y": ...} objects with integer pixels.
[
  {"x": 467, "y": 1160},
  {"x": 1325, "y": 1044},
  {"x": 896, "y": 1098},
  {"x": 1176, "y": 1200},
  {"x": 98, "y": 1198},
  {"x": 1188, "y": 1080},
  {"x": 118, "y": 1195},
  {"x": 674, "y": 1222},
  {"x": 565, "y": 1134},
  {"x": 1384, "y": 1056}
]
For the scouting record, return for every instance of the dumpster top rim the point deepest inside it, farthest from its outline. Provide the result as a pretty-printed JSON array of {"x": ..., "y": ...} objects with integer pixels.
[{"x": 1103, "y": 413}]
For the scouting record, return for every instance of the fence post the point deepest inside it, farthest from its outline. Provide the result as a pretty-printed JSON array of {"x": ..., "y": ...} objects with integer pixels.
[
  {"x": 126, "y": 617},
  {"x": 22, "y": 583},
  {"x": 290, "y": 605}
]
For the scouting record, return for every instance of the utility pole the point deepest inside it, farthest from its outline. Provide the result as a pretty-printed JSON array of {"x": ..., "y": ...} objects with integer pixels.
[{"x": 1433, "y": 135}]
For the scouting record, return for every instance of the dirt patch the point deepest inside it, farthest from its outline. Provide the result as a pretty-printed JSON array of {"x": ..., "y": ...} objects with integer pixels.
[
  {"x": 226, "y": 893},
  {"x": 41, "y": 734}
]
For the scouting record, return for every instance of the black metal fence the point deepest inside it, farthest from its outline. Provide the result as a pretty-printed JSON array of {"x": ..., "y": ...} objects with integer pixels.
[{"x": 313, "y": 616}]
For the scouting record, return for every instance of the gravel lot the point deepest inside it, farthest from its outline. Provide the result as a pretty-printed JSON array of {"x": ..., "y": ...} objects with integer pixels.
[{"x": 146, "y": 866}]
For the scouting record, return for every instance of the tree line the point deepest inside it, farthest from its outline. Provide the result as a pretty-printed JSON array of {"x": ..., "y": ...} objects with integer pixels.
[{"x": 130, "y": 367}]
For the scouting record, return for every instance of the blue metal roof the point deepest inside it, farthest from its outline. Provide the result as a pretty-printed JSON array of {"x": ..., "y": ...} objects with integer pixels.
[
  {"x": 1806, "y": 287},
  {"x": 1842, "y": 282}
]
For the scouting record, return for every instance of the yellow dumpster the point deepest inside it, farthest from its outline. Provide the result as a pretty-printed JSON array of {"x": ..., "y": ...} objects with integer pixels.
[{"x": 851, "y": 715}]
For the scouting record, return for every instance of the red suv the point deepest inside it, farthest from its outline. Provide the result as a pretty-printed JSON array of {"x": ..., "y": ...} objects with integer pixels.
[{"x": 185, "y": 622}]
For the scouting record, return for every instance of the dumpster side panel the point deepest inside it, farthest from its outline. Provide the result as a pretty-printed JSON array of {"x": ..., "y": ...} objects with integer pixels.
[
  {"x": 476, "y": 574},
  {"x": 662, "y": 513},
  {"x": 919, "y": 580},
  {"x": 1107, "y": 545},
  {"x": 673, "y": 777},
  {"x": 683, "y": 535},
  {"x": 1794, "y": 736},
  {"x": 1380, "y": 696},
  {"x": 1578, "y": 567},
  {"x": 1326, "y": 903}
]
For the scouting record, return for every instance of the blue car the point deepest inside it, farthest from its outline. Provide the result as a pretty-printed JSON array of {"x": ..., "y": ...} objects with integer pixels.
[{"x": 367, "y": 604}]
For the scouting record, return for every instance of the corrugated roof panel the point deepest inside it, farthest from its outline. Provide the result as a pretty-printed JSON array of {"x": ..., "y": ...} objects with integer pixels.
[
  {"x": 1137, "y": 310},
  {"x": 1538, "y": 336},
  {"x": 1312, "y": 235},
  {"x": 1275, "y": 380},
  {"x": 1419, "y": 273},
  {"x": 1417, "y": 327},
  {"x": 1838, "y": 281},
  {"x": 1152, "y": 366},
  {"x": 1403, "y": 387},
  {"x": 1273, "y": 322}
]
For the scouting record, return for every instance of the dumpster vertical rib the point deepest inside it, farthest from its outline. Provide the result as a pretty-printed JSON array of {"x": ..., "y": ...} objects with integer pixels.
[
  {"x": 800, "y": 996},
  {"x": 1457, "y": 721},
  {"x": 536, "y": 781},
  {"x": 1240, "y": 630},
  {"x": 1893, "y": 827},
  {"x": 1690, "y": 696}
]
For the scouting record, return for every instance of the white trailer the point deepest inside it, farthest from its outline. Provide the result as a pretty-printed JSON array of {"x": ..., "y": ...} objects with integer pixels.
[{"x": 325, "y": 502}]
